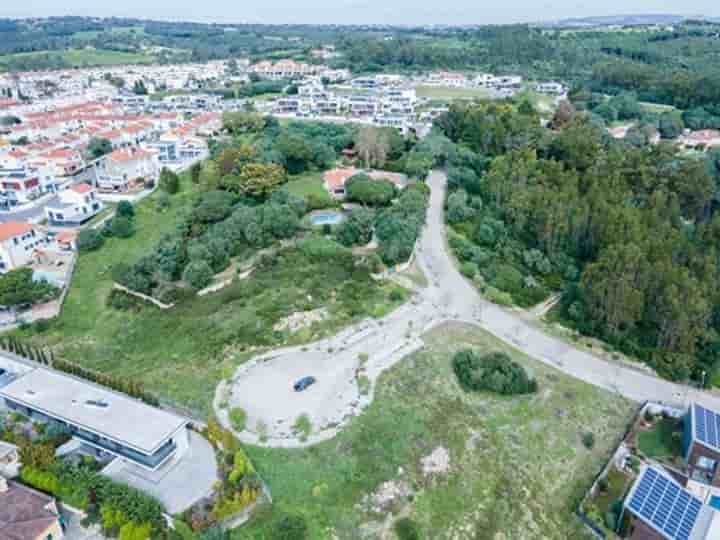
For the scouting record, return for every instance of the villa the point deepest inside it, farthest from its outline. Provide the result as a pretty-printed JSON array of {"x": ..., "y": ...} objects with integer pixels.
[
  {"x": 26, "y": 514},
  {"x": 18, "y": 242},
  {"x": 126, "y": 168},
  {"x": 74, "y": 206}
]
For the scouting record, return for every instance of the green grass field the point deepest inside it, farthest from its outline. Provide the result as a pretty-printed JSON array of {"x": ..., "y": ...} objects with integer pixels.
[
  {"x": 84, "y": 57},
  {"x": 182, "y": 353},
  {"x": 518, "y": 467},
  {"x": 659, "y": 442},
  {"x": 442, "y": 93},
  {"x": 310, "y": 184}
]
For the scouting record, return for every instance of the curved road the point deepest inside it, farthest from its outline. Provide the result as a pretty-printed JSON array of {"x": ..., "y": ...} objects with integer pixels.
[{"x": 263, "y": 387}]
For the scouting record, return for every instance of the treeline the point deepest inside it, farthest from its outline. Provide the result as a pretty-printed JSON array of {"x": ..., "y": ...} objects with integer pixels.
[{"x": 627, "y": 234}]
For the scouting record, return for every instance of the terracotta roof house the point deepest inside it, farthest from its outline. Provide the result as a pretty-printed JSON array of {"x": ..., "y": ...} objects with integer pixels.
[{"x": 26, "y": 514}]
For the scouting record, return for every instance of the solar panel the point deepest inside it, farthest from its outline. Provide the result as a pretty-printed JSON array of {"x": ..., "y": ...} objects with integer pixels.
[
  {"x": 664, "y": 505},
  {"x": 707, "y": 426}
]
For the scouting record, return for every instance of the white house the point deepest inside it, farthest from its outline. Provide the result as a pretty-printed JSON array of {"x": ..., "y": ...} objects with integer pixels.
[
  {"x": 124, "y": 169},
  {"x": 75, "y": 205},
  {"x": 17, "y": 244}
]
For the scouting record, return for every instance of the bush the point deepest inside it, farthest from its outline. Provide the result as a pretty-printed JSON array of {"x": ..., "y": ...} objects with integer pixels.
[
  {"x": 364, "y": 190},
  {"x": 125, "y": 209},
  {"x": 169, "y": 181},
  {"x": 122, "y": 227},
  {"x": 469, "y": 270},
  {"x": 588, "y": 440},
  {"x": 290, "y": 527},
  {"x": 198, "y": 274},
  {"x": 495, "y": 372},
  {"x": 498, "y": 297},
  {"x": 407, "y": 529},
  {"x": 89, "y": 240},
  {"x": 238, "y": 418}
]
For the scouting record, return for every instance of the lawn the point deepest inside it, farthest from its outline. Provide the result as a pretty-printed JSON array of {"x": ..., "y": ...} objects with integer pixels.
[
  {"x": 658, "y": 442},
  {"x": 518, "y": 467},
  {"x": 85, "y": 57},
  {"x": 182, "y": 353},
  {"x": 309, "y": 184},
  {"x": 444, "y": 93}
]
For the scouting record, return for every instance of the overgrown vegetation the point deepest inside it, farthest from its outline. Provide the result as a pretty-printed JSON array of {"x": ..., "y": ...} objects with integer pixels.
[{"x": 494, "y": 372}]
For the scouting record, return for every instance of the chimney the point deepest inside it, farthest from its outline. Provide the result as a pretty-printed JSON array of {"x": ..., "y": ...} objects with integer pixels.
[{"x": 3, "y": 484}]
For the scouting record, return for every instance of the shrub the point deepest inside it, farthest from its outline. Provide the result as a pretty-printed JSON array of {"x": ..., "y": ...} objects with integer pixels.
[
  {"x": 498, "y": 297},
  {"x": 363, "y": 189},
  {"x": 89, "y": 240},
  {"x": 407, "y": 529},
  {"x": 122, "y": 227},
  {"x": 588, "y": 440},
  {"x": 198, "y": 274},
  {"x": 238, "y": 418},
  {"x": 302, "y": 427},
  {"x": 469, "y": 270},
  {"x": 290, "y": 527},
  {"x": 169, "y": 181},
  {"x": 125, "y": 209},
  {"x": 495, "y": 372}
]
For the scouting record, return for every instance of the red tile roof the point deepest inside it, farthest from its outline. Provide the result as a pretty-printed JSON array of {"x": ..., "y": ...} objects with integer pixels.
[
  {"x": 24, "y": 512},
  {"x": 335, "y": 179},
  {"x": 81, "y": 188},
  {"x": 11, "y": 229}
]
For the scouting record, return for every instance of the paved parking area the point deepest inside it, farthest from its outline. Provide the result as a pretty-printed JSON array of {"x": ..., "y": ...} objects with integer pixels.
[{"x": 177, "y": 484}]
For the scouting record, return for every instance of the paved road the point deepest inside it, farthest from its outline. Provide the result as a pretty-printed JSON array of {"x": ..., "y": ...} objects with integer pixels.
[{"x": 263, "y": 387}]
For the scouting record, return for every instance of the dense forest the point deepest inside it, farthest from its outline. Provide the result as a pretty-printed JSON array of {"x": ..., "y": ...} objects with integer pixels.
[{"x": 627, "y": 234}]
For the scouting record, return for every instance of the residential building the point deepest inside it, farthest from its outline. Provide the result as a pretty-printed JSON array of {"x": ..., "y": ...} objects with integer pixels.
[
  {"x": 75, "y": 206},
  {"x": 127, "y": 169},
  {"x": 18, "y": 242},
  {"x": 552, "y": 88},
  {"x": 26, "y": 514},
  {"x": 701, "y": 445},
  {"x": 701, "y": 140},
  {"x": 285, "y": 69},
  {"x": 100, "y": 419},
  {"x": 663, "y": 508}
]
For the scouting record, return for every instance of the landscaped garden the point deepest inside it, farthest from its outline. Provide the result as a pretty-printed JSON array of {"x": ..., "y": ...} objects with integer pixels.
[{"x": 456, "y": 464}]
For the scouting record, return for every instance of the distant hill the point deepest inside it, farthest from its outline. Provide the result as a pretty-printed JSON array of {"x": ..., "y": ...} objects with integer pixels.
[{"x": 623, "y": 20}]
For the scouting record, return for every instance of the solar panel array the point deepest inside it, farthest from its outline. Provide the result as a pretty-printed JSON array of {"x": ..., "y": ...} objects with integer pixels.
[
  {"x": 665, "y": 505},
  {"x": 707, "y": 426}
]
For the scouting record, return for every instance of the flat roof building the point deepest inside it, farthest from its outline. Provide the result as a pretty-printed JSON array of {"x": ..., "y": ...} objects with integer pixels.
[{"x": 102, "y": 418}]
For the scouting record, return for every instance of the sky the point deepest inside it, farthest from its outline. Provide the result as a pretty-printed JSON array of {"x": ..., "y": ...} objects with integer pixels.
[{"x": 357, "y": 11}]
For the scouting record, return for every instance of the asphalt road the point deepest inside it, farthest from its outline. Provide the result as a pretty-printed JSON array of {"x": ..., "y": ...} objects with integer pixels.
[{"x": 263, "y": 387}]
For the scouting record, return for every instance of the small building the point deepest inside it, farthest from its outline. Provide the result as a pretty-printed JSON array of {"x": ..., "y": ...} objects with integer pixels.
[
  {"x": 660, "y": 508},
  {"x": 26, "y": 514},
  {"x": 74, "y": 206},
  {"x": 9, "y": 460},
  {"x": 701, "y": 444},
  {"x": 18, "y": 242}
]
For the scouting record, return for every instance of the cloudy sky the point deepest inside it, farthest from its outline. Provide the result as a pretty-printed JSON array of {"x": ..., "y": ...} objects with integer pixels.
[{"x": 357, "y": 11}]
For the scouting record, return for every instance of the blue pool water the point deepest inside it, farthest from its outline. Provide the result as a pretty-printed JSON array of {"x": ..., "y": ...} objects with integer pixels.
[
  {"x": 327, "y": 218},
  {"x": 715, "y": 502}
]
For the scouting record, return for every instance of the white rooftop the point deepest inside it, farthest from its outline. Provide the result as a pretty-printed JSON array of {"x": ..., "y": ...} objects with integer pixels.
[{"x": 107, "y": 413}]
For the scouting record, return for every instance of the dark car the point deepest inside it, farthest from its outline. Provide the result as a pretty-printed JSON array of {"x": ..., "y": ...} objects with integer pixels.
[{"x": 304, "y": 383}]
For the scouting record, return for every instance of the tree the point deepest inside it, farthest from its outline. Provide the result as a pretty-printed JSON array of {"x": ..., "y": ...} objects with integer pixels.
[
  {"x": 169, "y": 181},
  {"x": 89, "y": 240},
  {"x": 260, "y": 179},
  {"x": 670, "y": 125},
  {"x": 242, "y": 122},
  {"x": 365, "y": 190},
  {"x": 296, "y": 152},
  {"x": 290, "y": 527},
  {"x": 372, "y": 146},
  {"x": 18, "y": 287},
  {"x": 495, "y": 372},
  {"x": 122, "y": 227},
  {"x": 99, "y": 147},
  {"x": 458, "y": 209},
  {"x": 356, "y": 228},
  {"x": 125, "y": 209},
  {"x": 209, "y": 176},
  {"x": 198, "y": 274},
  {"x": 418, "y": 165},
  {"x": 195, "y": 170},
  {"x": 563, "y": 115}
]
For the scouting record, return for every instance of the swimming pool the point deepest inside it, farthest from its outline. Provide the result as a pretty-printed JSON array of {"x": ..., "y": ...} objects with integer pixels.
[
  {"x": 327, "y": 218},
  {"x": 715, "y": 502}
]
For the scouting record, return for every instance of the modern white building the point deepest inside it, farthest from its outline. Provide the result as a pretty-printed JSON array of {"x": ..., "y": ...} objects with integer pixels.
[
  {"x": 75, "y": 206},
  {"x": 126, "y": 168}
]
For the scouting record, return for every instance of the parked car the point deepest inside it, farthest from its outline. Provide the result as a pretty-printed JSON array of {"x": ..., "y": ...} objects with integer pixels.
[{"x": 304, "y": 383}]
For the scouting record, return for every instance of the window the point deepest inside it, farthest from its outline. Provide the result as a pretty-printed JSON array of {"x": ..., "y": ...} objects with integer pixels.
[{"x": 706, "y": 463}]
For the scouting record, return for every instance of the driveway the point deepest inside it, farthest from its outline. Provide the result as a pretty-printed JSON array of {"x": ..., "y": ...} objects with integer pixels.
[{"x": 263, "y": 386}]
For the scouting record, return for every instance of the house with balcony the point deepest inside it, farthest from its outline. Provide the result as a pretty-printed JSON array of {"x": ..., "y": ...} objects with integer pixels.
[
  {"x": 74, "y": 206},
  {"x": 126, "y": 169},
  {"x": 18, "y": 242}
]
